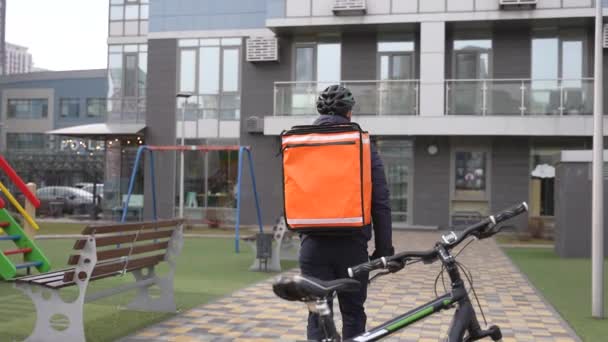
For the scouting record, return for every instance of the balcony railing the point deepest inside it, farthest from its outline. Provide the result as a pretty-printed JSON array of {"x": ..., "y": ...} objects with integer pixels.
[
  {"x": 519, "y": 97},
  {"x": 127, "y": 110},
  {"x": 391, "y": 97}
]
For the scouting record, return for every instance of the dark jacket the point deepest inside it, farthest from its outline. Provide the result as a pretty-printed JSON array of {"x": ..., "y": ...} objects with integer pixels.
[{"x": 381, "y": 209}]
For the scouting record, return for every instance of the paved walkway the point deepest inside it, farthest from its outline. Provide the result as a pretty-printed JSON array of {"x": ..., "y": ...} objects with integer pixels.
[{"x": 255, "y": 314}]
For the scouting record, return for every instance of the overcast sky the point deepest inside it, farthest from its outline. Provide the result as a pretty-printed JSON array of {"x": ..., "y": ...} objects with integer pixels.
[{"x": 60, "y": 34}]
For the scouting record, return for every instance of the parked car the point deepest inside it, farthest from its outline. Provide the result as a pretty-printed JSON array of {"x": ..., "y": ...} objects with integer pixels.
[
  {"x": 70, "y": 200},
  {"x": 89, "y": 188}
]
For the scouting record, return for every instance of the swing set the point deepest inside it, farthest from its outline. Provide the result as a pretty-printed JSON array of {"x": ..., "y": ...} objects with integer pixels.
[{"x": 204, "y": 149}]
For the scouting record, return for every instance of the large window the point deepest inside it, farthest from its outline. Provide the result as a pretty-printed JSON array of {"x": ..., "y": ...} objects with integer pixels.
[
  {"x": 210, "y": 68},
  {"x": 470, "y": 171},
  {"x": 25, "y": 141},
  {"x": 396, "y": 67},
  {"x": 96, "y": 107},
  {"x": 69, "y": 107},
  {"x": 398, "y": 158},
  {"x": 471, "y": 64},
  {"x": 27, "y": 108},
  {"x": 127, "y": 72},
  {"x": 129, "y": 17},
  {"x": 558, "y": 70}
]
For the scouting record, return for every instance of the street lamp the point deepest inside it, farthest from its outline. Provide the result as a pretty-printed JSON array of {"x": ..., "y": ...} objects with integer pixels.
[
  {"x": 185, "y": 96},
  {"x": 597, "y": 185}
]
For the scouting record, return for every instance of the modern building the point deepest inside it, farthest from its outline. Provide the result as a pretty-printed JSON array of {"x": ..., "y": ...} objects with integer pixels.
[
  {"x": 469, "y": 101},
  {"x": 2, "y": 35},
  {"x": 18, "y": 59},
  {"x": 33, "y": 104}
]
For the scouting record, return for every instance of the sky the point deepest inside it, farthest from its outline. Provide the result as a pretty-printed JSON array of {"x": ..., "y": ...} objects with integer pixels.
[{"x": 60, "y": 34}]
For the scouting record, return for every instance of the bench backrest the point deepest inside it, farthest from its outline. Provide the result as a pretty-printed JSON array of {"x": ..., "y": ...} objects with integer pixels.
[
  {"x": 136, "y": 201},
  {"x": 125, "y": 247}
]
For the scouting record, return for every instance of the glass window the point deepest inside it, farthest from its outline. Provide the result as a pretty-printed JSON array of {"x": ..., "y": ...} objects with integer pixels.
[
  {"x": 131, "y": 48},
  {"x": 69, "y": 107},
  {"x": 328, "y": 64},
  {"x": 114, "y": 48},
  {"x": 96, "y": 107},
  {"x": 130, "y": 75},
  {"x": 27, "y": 108},
  {"x": 210, "y": 42},
  {"x": 25, "y": 141},
  {"x": 395, "y": 46},
  {"x": 116, "y": 2},
  {"x": 116, "y": 12},
  {"x": 209, "y": 71},
  {"x": 143, "y": 12},
  {"x": 115, "y": 75},
  {"x": 116, "y": 28},
  {"x": 187, "y": 71},
  {"x": 131, "y": 28},
  {"x": 470, "y": 171},
  {"x": 398, "y": 158},
  {"x": 143, "y": 27},
  {"x": 305, "y": 64},
  {"x": 230, "y": 71},
  {"x": 545, "y": 95},
  {"x": 188, "y": 42},
  {"x": 131, "y": 12},
  {"x": 231, "y": 41},
  {"x": 142, "y": 73}
]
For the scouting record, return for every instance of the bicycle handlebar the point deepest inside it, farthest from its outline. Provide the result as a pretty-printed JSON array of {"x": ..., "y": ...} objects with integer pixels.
[{"x": 449, "y": 241}]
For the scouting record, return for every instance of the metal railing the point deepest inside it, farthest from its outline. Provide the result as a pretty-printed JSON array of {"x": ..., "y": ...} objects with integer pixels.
[
  {"x": 390, "y": 97},
  {"x": 519, "y": 96},
  {"x": 127, "y": 110}
]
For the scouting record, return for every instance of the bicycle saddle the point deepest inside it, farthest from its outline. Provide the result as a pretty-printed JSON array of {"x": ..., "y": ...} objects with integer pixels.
[{"x": 306, "y": 288}]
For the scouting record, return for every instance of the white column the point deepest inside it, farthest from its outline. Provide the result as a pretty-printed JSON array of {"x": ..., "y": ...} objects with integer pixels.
[{"x": 432, "y": 68}]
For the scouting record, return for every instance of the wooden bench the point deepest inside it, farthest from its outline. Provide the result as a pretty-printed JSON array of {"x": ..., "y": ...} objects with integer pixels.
[
  {"x": 104, "y": 252},
  {"x": 286, "y": 246}
]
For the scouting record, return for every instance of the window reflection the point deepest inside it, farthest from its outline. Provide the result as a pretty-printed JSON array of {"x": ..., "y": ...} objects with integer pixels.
[
  {"x": 187, "y": 73},
  {"x": 230, "y": 70},
  {"x": 328, "y": 64},
  {"x": 209, "y": 71}
]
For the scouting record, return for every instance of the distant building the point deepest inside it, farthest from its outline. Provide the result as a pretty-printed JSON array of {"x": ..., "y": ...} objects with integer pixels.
[
  {"x": 2, "y": 25},
  {"x": 32, "y": 104},
  {"x": 18, "y": 59}
]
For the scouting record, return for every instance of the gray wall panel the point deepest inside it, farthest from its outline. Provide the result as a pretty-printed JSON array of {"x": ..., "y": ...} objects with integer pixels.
[
  {"x": 512, "y": 52},
  {"x": 431, "y": 183},
  {"x": 359, "y": 53},
  {"x": 257, "y": 100},
  {"x": 510, "y": 174},
  {"x": 573, "y": 211},
  {"x": 161, "y": 122}
]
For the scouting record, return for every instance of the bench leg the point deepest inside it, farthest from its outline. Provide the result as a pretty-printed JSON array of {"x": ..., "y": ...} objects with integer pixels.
[
  {"x": 56, "y": 320},
  {"x": 144, "y": 301}
]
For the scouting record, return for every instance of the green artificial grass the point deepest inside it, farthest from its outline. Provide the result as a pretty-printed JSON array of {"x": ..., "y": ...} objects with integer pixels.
[
  {"x": 207, "y": 269},
  {"x": 566, "y": 284}
]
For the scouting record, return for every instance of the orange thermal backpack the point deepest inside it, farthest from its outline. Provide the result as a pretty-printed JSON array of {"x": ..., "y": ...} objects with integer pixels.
[{"x": 327, "y": 178}]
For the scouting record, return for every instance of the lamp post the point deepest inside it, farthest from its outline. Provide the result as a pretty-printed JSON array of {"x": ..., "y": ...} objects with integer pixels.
[
  {"x": 597, "y": 201},
  {"x": 185, "y": 96}
]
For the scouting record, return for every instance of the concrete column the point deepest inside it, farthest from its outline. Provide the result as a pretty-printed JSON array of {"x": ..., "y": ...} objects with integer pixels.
[{"x": 432, "y": 68}]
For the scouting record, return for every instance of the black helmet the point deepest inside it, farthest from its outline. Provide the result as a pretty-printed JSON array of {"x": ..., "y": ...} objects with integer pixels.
[{"x": 335, "y": 100}]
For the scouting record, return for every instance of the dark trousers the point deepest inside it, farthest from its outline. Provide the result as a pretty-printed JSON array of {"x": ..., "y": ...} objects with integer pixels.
[{"x": 328, "y": 258}]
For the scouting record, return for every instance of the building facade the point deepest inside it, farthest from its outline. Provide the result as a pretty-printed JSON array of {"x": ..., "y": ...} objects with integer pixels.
[
  {"x": 469, "y": 101},
  {"x": 17, "y": 59},
  {"x": 2, "y": 35},
  {"x": 33, "y": 104}
]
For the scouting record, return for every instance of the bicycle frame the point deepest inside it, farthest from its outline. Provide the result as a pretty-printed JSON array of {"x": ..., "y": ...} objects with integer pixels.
[{"x": 464, "y": 320}]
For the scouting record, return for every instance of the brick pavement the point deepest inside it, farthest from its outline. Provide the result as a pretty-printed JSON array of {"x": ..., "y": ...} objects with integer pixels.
[{"x": 256, "y": 314}]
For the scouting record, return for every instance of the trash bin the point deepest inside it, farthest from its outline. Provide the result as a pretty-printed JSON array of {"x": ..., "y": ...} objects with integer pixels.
[{"x": 263, "y": 244}]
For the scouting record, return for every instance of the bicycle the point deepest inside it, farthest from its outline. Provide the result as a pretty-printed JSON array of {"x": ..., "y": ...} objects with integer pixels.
[{"x": 464, "y": 327}]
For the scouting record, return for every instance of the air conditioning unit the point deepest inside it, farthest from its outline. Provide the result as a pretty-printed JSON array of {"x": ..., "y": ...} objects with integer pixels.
[
  {"x": 518, "y": 4},
  {"x": 262, "y": 49},
  {"x": 605, "y": 36},
  {"x": 349, "y": 7},
  {"x": 255, "y": 124}
]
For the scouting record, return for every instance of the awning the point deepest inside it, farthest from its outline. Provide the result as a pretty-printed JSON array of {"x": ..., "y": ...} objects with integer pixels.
[{"x": 100, "y": 130}]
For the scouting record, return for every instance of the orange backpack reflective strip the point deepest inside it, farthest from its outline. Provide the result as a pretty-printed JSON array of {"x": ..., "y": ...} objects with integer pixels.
[{"x": 327, "y": 181}]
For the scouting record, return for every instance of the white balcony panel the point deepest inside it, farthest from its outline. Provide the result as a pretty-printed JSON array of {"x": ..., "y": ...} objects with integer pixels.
[
  {"x": 230, "y": 129},
  {"x": 378, "y": 6},
  {"x": 460, "y": 5},
  {"x": 454, "y": 125},
  {"x": 486, "y": 5},
  {"x": 432, "y": 6},
  {"x": 549, "y": 4},
  {"x": 298, "y": 8},
  {"x": 190, "y": 129},
  {"x": 322, "y": 8},
  {"x": 208, "y": 128},
  {"x": 578, "y": 3},
  {"x": 405, "y": 6}
]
